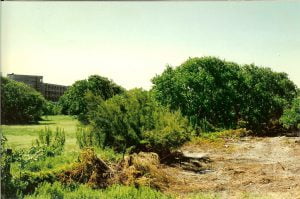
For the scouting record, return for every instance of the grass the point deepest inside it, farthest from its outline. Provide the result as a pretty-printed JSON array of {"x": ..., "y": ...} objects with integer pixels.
[
  {"x": 217, "y": 139},
  {"x": 57, "y": 190},
  {"x": 21, "y": 136},
  {"x": 47, "y": 164}
]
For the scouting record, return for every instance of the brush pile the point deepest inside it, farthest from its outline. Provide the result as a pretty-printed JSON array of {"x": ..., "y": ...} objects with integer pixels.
[{"x": 142, "y": 169}]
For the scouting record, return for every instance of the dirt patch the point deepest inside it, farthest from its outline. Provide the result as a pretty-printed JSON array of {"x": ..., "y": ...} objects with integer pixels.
[{"x": 265, "y": 166}]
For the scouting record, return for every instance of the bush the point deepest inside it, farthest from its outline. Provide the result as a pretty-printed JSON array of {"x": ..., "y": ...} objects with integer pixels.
[
  {"x": 134, "y": 121},
  {"x": 215, "y": 94},
  {"x": 29, "y": 181},
  {"x": 20, "y": 103},
  {"x": 52, "y": 108},
  {"x": 73, "y": 101}
]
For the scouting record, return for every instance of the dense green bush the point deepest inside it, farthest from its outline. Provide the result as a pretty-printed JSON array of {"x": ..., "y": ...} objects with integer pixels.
[
  {"x": 135, "y": 121},
  {"x": 52, "y": 108},
  {"x": 264, "y": 95},
  {"x": 20, "y": 103},
  {"x": 291, "y": 115},
  {"x": 73, "y": 101},
  {"x": 214, "y": 93}
]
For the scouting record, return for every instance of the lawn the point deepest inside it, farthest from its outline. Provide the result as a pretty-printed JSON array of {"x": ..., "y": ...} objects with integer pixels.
[{"x": 21, "y": 136}]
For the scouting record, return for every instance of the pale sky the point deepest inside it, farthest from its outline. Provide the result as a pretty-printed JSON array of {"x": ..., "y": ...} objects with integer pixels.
[{"x": 130, "y": 42}]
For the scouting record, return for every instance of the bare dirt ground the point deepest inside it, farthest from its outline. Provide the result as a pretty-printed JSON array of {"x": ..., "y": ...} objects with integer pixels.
[{"x": 263, "y": 167}]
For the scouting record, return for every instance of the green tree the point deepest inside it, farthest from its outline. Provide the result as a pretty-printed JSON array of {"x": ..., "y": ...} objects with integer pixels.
[
  {"x": 215, "y": 93},
  {"x": 265, "y": 93},
  {"x": 20, "y": 103},
  {"x": 204, "y": 89},
  {"x": 73, "y": 101}
]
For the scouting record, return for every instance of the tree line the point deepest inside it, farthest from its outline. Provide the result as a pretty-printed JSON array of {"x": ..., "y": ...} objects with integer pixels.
[{"x": 204, "y": 94}]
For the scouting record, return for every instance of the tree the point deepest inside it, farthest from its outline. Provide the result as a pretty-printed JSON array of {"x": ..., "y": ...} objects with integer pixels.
[
  {"x": 214, "y": 93},
  {"x": 20, "y": 103},
  {"x": 204, "y": 89},
  {"x": 73, "y": 101},
  {"x": 265, "y": 93}
]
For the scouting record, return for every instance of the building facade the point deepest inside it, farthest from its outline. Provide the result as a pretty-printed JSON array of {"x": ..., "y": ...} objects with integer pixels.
[{"x": 49, "y": 91}]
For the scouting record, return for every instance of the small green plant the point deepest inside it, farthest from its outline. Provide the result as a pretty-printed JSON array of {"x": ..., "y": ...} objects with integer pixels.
[
  {"x": 84, "y": 137},
  {"x": 51, "y": 143}
]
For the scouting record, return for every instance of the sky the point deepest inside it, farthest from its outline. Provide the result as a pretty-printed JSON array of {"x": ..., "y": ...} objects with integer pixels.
[{"x": 131, "y": 42}]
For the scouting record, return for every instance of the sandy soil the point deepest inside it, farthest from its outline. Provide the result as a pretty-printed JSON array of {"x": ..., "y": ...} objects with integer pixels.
[{"x": 262, "y": 167}]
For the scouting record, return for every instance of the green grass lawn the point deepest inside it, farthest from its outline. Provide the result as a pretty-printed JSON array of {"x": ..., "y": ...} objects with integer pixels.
[{"x": 21, "y": 136}]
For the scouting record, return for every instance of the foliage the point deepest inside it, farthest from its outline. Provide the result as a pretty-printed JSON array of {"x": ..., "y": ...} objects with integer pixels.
[
  {"x": 134, "y": 121},
  {"x": 29, "y": 181},
  {"x": 264, "y": 95},
  {"x": 51, "y": 144},
  {"x": 215, "y": 94},
  {"x": 52, "y": 108},
  {"x": 171, "y": 131},
  {"x": 47, "y": 145},
  {"x": 73, "y": 101},
  {"x": 52, "y": 162},
  {"x": 291, "y": 115},
  {"x": 57, "y": 190},
  {"x": 20, "y": 103},
  {"x": 7, "y": 185}
]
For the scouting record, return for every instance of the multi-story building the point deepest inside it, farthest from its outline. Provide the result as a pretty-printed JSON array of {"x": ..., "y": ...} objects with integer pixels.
[
  {"x": 35, "y": 82},
  {"x": 53, "y": 91},
  {"x": 49, "y": 91}
]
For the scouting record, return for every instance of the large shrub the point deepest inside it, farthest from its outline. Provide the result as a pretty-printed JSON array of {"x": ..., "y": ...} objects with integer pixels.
[
  {"x": 216, "y": 93},
  {"x": 20, "y": 103},
  {"x": 136, "y": 121},
  {"x": 73, "y": 101}
]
